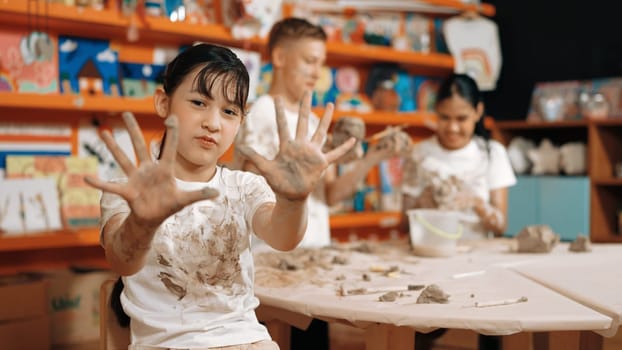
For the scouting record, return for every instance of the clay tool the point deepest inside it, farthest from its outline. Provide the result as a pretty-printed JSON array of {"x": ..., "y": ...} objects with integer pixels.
[{"x": 501, "y": 302}]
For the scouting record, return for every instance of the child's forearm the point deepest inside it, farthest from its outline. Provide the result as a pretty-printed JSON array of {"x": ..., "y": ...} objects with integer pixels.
[
  {"x": 345, "y": 185},
  {"x": 127, "y": 245},
  {"x": 492, "y": 218},
  {"x": 285, "y": 225}
]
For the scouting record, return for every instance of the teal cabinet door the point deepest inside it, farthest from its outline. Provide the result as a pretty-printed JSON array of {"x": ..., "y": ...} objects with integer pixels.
[
  {"x": 522, "y": 204},
  {"x": 561, "y": 202}
]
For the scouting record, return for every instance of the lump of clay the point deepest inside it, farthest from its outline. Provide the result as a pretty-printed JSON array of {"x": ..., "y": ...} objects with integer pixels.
[
  {"x": 536, "y": 239},
  {"x": 344, "y": 129},
  {"x": 581, "y": 244},
  {"x": 433, "y": 294}
]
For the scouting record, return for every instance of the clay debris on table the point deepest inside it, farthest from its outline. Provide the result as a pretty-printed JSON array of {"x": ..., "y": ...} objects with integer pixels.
[
  {"x": 580, "y": 244},
  {"x": 536, "y": 239},
  {"x": 433, "y": 294}
]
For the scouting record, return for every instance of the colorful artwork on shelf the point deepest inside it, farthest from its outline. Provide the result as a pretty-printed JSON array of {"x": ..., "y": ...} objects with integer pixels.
[
  {"x": 348, "y": 82},
  {"x": 79, "y": 202},
  {"x": 28, "y": 62},
  {"x": 265, "y": 79},
  {"x": 29, "y": 205},
  {"x": 252, "y": 62},
  {"x": 426, "y": 89},
  {"x": 88, "y": 66},
  {"x": 140, "y": 80}
]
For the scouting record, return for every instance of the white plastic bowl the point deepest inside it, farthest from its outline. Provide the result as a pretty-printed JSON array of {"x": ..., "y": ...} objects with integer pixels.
[{"x": 434, "y": 232}]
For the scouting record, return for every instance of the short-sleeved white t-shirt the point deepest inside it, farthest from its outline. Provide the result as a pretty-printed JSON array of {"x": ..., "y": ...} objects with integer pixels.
[
  {"x": 481, "y": 168},
  {"x": 259, "y": 131},
  {"x": 196, "y": 288}
]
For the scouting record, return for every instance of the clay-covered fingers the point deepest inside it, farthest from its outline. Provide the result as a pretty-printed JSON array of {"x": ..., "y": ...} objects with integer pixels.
[
  {"x": 339, "y": 151},
  {"x": 171, "y": 140},
  {"x": 320, "y": 133},
  {"x": 112, "y": 187},
  {"x": 255, "y": 158},
  {"x": 138, "y": 140},
  {"x": 281, "y": 122},
  {"x": 117, "y": 152},
  {"x": 302, "y": 128}
]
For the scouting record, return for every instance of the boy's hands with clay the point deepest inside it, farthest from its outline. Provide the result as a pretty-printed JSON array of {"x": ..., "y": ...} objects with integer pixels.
[{"x": 299, "y": 164}]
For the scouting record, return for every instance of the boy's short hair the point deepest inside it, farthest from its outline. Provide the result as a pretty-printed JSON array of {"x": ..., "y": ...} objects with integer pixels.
[{"x": 293, "y": 28}]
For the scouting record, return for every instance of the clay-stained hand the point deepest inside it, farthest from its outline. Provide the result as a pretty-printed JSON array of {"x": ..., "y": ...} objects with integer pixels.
[
  {"x": 395, "y": 143},
  {"x": 426, "y": 199},
  {"x": 300, "y": 162},
  {"x": 151, "y": 191}
]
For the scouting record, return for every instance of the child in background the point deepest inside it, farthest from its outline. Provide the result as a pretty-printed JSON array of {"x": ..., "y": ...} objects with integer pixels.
[
  {"x": 297, "y": 51},
  {"x": 460, "y": 168},
  {"x": 178, "y": 228}
]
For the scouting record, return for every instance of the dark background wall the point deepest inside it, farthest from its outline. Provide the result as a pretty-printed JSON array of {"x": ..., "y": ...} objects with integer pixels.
[{"x": 551, "y": 40}]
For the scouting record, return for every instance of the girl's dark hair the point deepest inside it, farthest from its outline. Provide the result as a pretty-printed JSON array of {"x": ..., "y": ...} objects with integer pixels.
[
  {"x": 217, "y": 64},
  {"x": 465, "y": 87}
]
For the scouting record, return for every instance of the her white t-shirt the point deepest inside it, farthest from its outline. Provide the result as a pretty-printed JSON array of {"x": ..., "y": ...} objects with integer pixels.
[
  {"x": 196, "y": 288},
  {"x": 259, "y": 131},
  {"x": 481, "y": 168}
]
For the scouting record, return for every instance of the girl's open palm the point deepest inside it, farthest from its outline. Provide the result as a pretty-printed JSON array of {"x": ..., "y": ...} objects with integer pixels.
[
  {"x": 300, "y": 162},
  {"x": 150, "y": 191}
]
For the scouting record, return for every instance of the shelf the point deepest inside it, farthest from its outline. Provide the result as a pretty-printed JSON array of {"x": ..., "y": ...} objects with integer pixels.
[
  {"x": 60, "y": 239},
  {"x": 608, "y": 122},
  {"x": 607, "y": 182},
  {"x": 76, "y": 103},
  {"x": 365, "y": 219},
  {"x": 523, "y": 124},
  {"x": 77, "y": 21}
]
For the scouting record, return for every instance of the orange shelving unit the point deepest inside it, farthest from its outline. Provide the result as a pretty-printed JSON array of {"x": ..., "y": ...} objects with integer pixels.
[{"x": 81, "y": 247}]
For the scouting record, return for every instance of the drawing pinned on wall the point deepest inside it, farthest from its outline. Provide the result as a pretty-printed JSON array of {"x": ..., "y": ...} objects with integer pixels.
[
  {"x": 29, "y": 205},
  {"x": 88, "y": 66},
  {"x": 252, "y": 62},
  {"x": 79, "y": 202},
  {"x": 90, "y": 144},
  {"x": 28, "y": 62}
]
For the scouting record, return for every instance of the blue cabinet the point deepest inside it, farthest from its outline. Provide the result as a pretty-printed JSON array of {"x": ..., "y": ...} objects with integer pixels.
[{"x": 562, "y": 202}]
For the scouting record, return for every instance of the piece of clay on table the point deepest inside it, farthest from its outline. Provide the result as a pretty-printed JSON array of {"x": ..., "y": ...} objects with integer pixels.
[
  {"x": 580, "y": 244},
  {"x": 536, "y": 239},
  {"x": 433, "y": 294}
]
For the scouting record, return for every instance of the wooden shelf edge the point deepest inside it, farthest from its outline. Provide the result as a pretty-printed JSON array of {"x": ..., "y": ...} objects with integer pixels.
[
  {"x": 76, "y": 103},
  {"x": 17, "y": 12},
  {"x": 47, "y": 240},
  {"x": 607, "y": 181},
  {"x": 365, "y": 219},
  {"x": 523, "y": 124}
]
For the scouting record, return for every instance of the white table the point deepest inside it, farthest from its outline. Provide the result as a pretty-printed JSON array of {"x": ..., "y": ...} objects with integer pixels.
[{"x": 487, "y": 273}]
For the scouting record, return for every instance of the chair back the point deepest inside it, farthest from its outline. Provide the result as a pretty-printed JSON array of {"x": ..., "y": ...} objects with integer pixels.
[{"x": 111, "y": 335}]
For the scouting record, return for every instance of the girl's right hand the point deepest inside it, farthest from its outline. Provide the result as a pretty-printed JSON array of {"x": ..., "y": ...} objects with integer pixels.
[{"x": 150, "y": 191}]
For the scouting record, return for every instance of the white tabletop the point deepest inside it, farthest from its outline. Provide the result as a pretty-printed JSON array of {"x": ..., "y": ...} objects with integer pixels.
[
  {"x": 589, "y": 278},
  {"x": 485, "y": 273}
]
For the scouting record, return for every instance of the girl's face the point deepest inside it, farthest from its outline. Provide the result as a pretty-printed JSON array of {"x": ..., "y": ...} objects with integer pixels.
[
  {"x": 302, "y": 62},
  {"x": 207, "y": 126},
  {"x": 456, "y": 121}
]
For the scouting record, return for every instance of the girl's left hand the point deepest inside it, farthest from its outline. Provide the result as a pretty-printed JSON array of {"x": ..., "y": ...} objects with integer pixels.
[{"x": 300, "y": 162}]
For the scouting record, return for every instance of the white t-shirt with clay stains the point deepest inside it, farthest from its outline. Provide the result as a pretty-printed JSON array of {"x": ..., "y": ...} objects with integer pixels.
[
  {"x": 259, "y": 131},
  {"x": 196, "y": 288},
  {"x": 479, "y": 165}
]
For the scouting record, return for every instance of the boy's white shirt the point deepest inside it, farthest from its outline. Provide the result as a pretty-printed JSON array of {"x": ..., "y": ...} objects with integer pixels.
[
  {"x": 196, "y": 288},
  {"x": 480, "y": 170},
  {"x": 259, "y": 131}
]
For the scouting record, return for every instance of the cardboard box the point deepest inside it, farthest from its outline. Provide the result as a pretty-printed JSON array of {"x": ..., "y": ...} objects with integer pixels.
[
  {"x": 74, "y": 305},
  {"x": 26, "y": 334},
  {"x": 22, "y": 297}
]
